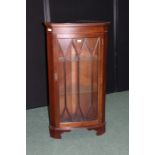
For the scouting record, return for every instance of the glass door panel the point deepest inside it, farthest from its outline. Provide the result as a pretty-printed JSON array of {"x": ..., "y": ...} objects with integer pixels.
[{"x": 78, "y": 79}]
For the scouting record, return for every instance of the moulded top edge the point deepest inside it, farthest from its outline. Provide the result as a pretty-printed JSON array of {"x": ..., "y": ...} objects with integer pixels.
[{"x": 78, "y": 24}]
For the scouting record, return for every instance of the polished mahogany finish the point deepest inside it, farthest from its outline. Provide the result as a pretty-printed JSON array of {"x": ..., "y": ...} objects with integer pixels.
[{"x": 76, "y": 76}]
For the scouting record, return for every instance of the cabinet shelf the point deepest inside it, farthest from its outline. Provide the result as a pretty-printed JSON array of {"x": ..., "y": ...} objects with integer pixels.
[
  {"x": 83, "y": 90},
  {"x": 76, "y": 58}
]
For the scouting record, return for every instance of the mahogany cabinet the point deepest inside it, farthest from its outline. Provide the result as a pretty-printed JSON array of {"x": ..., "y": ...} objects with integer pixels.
[{"x": 76, "y": 54}]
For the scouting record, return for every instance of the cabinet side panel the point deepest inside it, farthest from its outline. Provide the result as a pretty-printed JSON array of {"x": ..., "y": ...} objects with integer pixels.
[
  {"x": 52, "y": 82},
  {"x": 102, "y": 78},
  {"x": 105, "y": 45}
]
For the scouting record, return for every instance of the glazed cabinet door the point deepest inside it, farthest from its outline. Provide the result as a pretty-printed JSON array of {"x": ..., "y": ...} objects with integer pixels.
[{"x": 78, "y": 70}]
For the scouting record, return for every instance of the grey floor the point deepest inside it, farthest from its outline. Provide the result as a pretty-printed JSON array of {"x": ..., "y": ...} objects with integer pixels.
[{"x": 81, "y": 141}]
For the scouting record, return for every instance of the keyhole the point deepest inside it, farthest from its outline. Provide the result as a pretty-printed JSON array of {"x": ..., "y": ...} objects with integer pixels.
[{"x": 79, "y": 40}]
